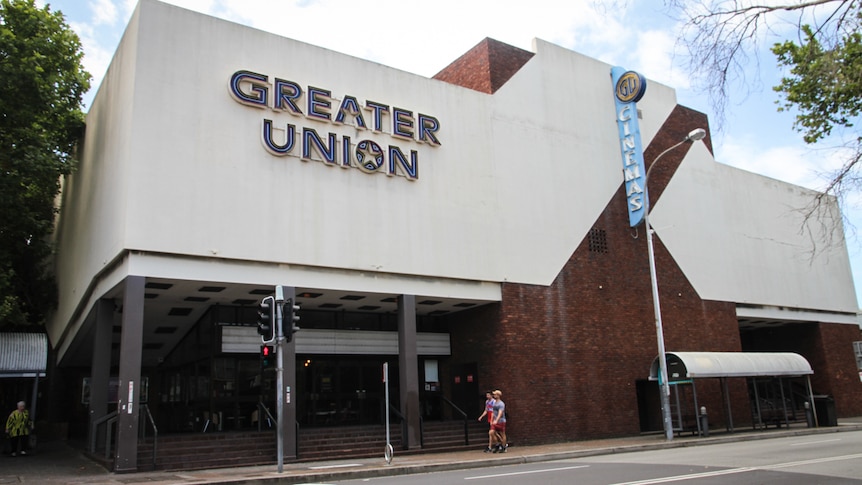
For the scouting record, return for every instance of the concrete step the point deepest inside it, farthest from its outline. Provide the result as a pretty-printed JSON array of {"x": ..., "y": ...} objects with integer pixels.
[{"x": 214, "y": 450}]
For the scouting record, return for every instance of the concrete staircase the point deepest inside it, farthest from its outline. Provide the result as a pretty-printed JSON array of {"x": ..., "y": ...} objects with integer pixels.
[{"x": 218, "y": 450}]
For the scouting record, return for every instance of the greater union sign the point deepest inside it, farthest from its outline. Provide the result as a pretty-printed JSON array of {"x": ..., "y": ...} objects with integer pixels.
[{"x": 317, "y": 104}]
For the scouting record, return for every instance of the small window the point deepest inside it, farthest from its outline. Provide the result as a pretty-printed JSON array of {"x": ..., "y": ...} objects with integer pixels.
[
  {"x": 598, "y": 240},
  {"x": 857, "y": 349}
]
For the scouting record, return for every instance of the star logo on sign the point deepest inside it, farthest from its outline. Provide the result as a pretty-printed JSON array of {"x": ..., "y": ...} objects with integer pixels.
[{"x": 369, "y": 155}]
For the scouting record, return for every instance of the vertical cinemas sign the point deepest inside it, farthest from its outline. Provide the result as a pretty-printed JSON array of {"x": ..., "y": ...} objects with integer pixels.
[
  {"x": 372, "y": 123},
  {"x": 629, "y": 88}
]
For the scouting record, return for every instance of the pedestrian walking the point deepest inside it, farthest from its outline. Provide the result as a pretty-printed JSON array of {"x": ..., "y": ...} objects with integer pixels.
[
  {"x": 488, "y": 414},
  {"x": 18, "y": 427},
  {"x": 498, "y": 423}
]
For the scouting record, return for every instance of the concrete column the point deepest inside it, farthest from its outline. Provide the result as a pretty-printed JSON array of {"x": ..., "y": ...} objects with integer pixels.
[
  {"x": 131, "y": 344},
  {"x": 288, "y": 418},
  {"x": 408, "y": 369},
  {"x": 100, "y": 368}
]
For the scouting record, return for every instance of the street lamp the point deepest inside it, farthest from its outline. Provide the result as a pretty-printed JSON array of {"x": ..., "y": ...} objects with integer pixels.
[{"x": 692, "y": 137}]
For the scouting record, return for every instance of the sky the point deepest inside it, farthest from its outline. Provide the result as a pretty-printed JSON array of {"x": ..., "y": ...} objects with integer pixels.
[{"x": 637, "y": 34}]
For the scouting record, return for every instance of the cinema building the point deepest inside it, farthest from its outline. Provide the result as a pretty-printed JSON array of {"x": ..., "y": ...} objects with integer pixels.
[{"x": 471, "y": 229}]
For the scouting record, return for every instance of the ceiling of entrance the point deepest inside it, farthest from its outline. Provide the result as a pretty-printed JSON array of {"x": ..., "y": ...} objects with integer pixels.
[{"x": 172, "y": 307}]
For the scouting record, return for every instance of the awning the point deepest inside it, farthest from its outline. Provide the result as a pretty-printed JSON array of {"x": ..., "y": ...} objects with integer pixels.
[
  {"x": 23, "y": 354},
  {"x": 694, "y": 365}
]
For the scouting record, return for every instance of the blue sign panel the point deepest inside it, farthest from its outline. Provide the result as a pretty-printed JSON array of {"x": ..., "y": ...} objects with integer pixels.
[{"x": 629, "y": 88}]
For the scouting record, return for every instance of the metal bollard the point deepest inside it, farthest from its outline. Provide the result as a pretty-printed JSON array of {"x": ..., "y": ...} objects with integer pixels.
[
  {"x": 809, "y": 416},
  {"x": 704, "y": 422}
]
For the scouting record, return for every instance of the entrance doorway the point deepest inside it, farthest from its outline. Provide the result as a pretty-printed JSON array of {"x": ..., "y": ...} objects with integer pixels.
[
  {"x": 465, "y": 388},
  {"x": 649, "y": 405},
  {"x": 341, "y": 391}
]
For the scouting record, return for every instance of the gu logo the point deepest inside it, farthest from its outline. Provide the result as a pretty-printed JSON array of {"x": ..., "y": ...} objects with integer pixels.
[{"x": 630, "y": 87}]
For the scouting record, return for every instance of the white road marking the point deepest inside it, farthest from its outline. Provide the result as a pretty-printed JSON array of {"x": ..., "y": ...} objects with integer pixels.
[
  {"x": 731, "y": 471},
  {"x": 346, "y": 465},
  {"x": 815, "y": 442},
  {"x": 692, "y": 476},
  {"x": 811, "y": 462},
  {"x": 527, "y": 472}
]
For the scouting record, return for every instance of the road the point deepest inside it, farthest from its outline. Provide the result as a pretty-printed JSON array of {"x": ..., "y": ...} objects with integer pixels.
[{"x": 820, "y": 459}]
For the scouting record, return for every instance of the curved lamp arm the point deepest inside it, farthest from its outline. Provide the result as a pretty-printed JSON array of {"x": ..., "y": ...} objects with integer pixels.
[{"x": 693, "y": 136}]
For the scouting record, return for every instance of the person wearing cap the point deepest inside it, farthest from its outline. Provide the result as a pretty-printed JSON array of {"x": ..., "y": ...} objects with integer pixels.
[
  {"x": 498, "y": 423},
  {"x": 489, "y": 414}
]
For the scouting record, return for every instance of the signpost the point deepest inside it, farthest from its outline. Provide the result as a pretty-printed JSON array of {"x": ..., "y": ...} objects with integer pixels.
[{"x": 388, "y": 451}]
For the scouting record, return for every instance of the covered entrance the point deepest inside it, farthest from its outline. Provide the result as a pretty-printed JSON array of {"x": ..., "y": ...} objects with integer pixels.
[
  {"x": 156, "y": 356},
  {"x": 763, "y": 370},
  {"x": 23, "y": 360}
]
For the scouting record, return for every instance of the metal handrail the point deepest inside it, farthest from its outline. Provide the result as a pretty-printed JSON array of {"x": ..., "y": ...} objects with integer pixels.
[
  {"x": 109, "y": 436},
  {"x": 397, "y": 413},
  {"x": 95, "y": 426},
  {"x": 463, "y": 415},
  {"x": 152, "y": 421},
  {"x": 404, "y": 441},
  {"x": 262, "y": 406}
]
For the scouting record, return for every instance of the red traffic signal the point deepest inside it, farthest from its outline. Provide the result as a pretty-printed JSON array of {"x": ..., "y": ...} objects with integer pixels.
[{"x": 267, "y": 356}]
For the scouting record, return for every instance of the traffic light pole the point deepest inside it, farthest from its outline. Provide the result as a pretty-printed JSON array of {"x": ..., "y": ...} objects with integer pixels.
[
  {"x": 275, "y": 313},
  {"x": 279, "y": 372},
  {"x": 286, "y": 408}
]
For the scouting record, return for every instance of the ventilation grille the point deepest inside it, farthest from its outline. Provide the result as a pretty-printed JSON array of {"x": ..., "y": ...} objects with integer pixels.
[{"x": 598, "y": 240}]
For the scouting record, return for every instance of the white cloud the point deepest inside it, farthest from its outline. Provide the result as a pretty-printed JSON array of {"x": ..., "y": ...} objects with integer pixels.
[
  {"x": 417, "y": 37},
  {"x": 104, "y": 12},
  {"x": 655, "y": 58},
  {"x": 794, "y": 163}
]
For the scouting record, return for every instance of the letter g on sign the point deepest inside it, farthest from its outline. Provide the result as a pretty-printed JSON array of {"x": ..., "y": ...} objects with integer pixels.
[{"x": 630, "y": 87}]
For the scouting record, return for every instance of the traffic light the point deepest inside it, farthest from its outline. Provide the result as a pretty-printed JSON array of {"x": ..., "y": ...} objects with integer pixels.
[
  {"x": 290, "y": 319},
  {"x": 266, "y": 319},
  {"x": 267, "y": 356}
]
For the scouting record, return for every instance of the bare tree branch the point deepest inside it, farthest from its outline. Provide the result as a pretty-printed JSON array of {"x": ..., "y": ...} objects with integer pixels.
[{"x": 720, "y": 36}]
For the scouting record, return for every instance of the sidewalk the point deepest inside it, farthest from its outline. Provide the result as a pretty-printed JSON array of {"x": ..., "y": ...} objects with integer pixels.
[{"x": 58, "y": 463}]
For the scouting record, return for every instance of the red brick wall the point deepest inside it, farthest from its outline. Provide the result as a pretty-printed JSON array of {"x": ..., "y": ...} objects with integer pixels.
[
  {"x": 486, "y": 67},
  {"x": 840, "y": 369},
  {"x": 567, "y": 356}
]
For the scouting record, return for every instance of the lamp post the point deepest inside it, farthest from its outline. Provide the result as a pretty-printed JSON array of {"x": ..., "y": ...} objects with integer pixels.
[{"x": 693, "y": 136}]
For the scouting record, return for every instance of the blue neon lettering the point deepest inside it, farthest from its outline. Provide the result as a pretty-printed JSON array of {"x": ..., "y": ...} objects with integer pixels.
[
  {"x": 319, "y": 103},
  {"x": 411, "y": 169},
  {"x": 377, "y": 110},
  {"x": 402, "y": 123},
  {"x": 272, "y": 146},
  {"x": 327, "y": 151},
  {"x": 259, "y": 90},
  {"x": 349, "y": 105},
  {"x": 428, "y": 125},
  {"x": 286, "y": 95}
]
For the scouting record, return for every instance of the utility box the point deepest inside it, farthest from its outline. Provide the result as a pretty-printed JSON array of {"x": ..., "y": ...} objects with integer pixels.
[{"x": 826, "y": 415}]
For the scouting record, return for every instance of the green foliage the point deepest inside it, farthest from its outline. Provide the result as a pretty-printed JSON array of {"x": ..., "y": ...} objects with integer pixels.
[
  {"x": 41, "y": 80},
  {"x": 825, "y": 85}
]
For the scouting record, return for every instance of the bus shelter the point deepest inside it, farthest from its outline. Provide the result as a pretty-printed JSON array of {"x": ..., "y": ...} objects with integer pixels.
[{"x": 684, "y": 368}]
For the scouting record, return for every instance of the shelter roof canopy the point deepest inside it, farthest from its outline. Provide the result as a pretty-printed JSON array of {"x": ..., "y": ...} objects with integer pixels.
[
  {"x": 694, "y": 365},
  {"x": 23, "y": 354}
]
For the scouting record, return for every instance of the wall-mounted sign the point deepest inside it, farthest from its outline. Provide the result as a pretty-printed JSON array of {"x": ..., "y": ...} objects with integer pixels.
[
  {"x": 629, "y": 88},
  {"x": 370, "y": 154}
]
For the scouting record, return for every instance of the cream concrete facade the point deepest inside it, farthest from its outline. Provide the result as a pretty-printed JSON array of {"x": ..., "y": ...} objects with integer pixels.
[{"x": 175, "y": 182}]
